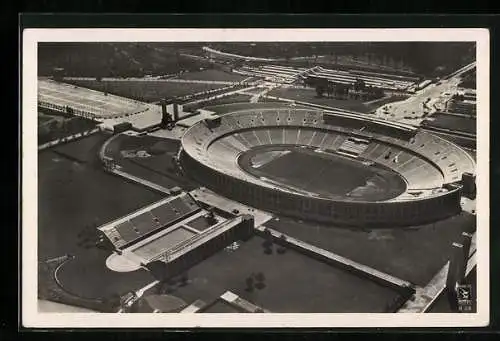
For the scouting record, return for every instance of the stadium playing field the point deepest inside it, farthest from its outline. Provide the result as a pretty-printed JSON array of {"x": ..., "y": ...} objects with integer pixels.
[{"x": 327, "y": 175}]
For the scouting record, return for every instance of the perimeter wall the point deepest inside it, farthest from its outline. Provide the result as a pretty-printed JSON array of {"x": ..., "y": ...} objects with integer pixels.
[{"x": 349, "y": 213}]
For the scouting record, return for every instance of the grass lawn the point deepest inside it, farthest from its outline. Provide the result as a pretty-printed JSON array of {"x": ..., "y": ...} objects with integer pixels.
[
  {"x": 212, "y": 75},
  {"x": 88, "y": 277},
  {"x": 158, "y": 168},
  {"x": 414, "y": 254},
  {"x": 236, "y": 98},
  {"x": 306, "y": 170},
  {"x": 453, "y": 122},
  {"x": 309, "y": 95},
  {"x": 43, "y": 119},
  {"x": 74, "y": 194},
  {"x": 56, "y": 130},
  {"x": 293, "y": 282},
  {"x": 147, "y": 91}
]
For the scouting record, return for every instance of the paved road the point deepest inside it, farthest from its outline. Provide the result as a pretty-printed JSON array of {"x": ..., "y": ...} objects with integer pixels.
[
  {"x": 255, "y": 98},
  {"x": 434, "y": 96}
]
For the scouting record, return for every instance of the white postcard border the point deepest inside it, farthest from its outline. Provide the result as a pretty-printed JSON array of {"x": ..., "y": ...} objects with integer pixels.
[{"x": 32, "y": 318}]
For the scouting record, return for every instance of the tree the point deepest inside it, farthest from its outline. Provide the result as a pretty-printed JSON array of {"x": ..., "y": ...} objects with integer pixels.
[
  {"x": 282, "y": 248},
  {"x": 267, "y": 244},
  {"x": 268, "y": 247},
  {"x": 378, "y": 92},
  {"x": 268, "y": 235},
  {"x": 249, "y": 282},
  {"x": 112, "y": 302},
  {"x": 359, "y": 85},
  {"x": 341, "y": 90},
  {"x": 259, "y": 277},
  {"x": 211, "y": 217},
  {"x": 330, "y": 89},
  {"x": 268, "y": 241},
  {"x": 320, "y": 90},
  {"x": 167, "y": 288}
]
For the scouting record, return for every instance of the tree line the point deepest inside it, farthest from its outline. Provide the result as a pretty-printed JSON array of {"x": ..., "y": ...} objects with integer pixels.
[{"x": 337, "y": 90}]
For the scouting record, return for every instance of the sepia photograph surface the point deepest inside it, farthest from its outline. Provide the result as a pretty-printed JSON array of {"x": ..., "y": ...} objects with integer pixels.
[{"x": 255, "y": 178}]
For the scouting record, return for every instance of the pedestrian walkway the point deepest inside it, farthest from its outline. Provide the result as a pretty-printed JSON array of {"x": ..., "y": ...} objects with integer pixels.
[
  {"x": 241, "y": 303},
  {"x": 210, "y": 198},
  {"x": 194, "y": 307},
  {"x": 140, "y": 181}
]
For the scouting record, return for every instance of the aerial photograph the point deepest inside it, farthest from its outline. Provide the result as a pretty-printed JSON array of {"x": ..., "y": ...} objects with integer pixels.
[{"x": 256, "y": 177}]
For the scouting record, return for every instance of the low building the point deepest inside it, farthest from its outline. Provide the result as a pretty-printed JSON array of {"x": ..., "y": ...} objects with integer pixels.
[
  {"x": 122, "y": 127},
  {"x": 466, "y": 107}
]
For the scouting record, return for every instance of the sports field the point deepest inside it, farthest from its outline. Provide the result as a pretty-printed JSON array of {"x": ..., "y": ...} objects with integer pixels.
[
  {"x": 328, "y": 175},
  {"x": 303, "y": 284},
  {"x": 83, "y": 99},
  {"x": 466, "y": 142},
  {"x": 147, "y": 91}
]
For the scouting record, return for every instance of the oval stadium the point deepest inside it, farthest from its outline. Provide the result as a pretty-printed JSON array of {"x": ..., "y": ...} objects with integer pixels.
[{"x": 354, "y": 170}]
